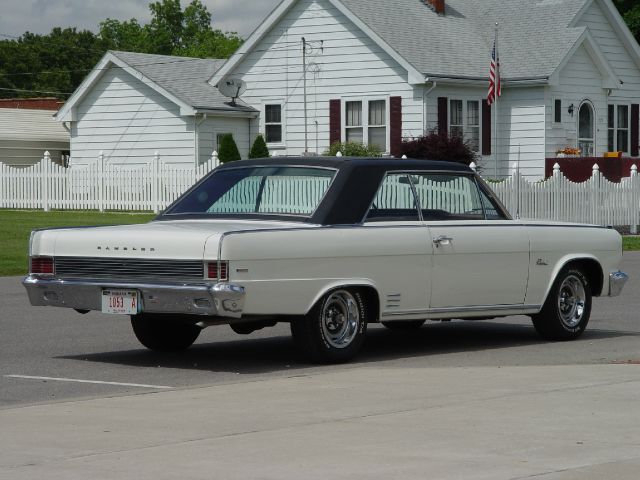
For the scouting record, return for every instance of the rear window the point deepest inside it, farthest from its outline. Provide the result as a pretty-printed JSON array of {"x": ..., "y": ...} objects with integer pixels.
[{"x": 258, "y": 190}]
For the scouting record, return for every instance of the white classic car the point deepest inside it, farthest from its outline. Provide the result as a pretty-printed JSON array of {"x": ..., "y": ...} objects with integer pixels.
[{"x": 328, "y": 245}]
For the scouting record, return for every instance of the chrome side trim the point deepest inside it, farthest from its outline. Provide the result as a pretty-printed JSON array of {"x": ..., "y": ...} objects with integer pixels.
[
  {"x": 617, "y": 280},
  {"x": 218, "y": 300},
  {"x": 466, "y": 311}
]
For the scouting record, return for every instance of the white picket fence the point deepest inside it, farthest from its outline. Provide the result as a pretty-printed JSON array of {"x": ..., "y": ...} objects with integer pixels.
[
  {"x": 153, "y": 186},
  {"x": 98, "y": 185},
  {"x": 597, "y": 201}
]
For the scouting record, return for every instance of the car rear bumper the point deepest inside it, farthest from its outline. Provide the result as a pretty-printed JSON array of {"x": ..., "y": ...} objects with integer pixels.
[
  {"x": 617, "y": 281},
  {"x": 220, "y": 299}
]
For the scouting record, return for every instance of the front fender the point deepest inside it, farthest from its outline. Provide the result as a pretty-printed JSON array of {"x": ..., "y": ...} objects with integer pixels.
[{"x": 563, "y": 262}]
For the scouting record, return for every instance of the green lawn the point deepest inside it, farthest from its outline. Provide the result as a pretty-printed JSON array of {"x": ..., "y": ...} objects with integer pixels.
[
  {"x": 631, "y": 243},
  {"x": 16, "y": 225}
]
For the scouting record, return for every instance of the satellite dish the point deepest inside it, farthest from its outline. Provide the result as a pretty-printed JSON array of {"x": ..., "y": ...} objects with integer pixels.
[{"x": 232, "y": 88}]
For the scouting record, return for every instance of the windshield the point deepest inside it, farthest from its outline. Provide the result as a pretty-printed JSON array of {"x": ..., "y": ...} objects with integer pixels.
[{"x": 258, "y": 190}]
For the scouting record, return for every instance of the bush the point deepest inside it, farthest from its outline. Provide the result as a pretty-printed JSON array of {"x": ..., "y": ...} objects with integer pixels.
[
  {"x": 259, "y": 148},
  {"x": 439, "y": 146},
  {"x": 353, "y": 149},
  {"x": 228, "y": 150}
]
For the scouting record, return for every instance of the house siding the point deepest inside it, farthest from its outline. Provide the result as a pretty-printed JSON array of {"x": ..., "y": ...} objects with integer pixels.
[
  {"x": 521, "y": 127},
  {"x": 129, "y": 121},
  {"x": 211, "y": 127},
  {"x": 580, "y": 81},
  {"x": 350, "y": 66}
]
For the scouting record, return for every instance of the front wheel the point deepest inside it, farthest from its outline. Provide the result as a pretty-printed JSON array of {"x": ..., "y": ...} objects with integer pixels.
[
  {"x": 162, "y": 334},
  {"x": 333, "y": 331},
  {"x": 566, "y": 311}
]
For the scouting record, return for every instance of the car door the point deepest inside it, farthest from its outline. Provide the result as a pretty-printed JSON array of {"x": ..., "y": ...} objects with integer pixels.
[
  {"x": 480, "y": 258},
  {"x": 401, "y": 266}
]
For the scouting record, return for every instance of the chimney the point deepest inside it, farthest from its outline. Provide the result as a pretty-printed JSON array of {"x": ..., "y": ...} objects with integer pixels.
[{"x": 436, "y": 5}]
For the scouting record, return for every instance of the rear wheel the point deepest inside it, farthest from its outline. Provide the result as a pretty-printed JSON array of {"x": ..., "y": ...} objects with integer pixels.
[
  {"x": 163, "y": 334},
  {"x": 333, "y": 331},
  {"x": 404, "y": 324},
  {"x": 567, "y": 309}
]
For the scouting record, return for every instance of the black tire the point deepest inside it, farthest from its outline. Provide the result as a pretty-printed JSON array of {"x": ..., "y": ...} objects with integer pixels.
[
  {"x": 404, "y": 325},
  {"x": 324, "y": 335},
  {"x": 567, "y": 309},
  {"x": 162, "y": 334}
]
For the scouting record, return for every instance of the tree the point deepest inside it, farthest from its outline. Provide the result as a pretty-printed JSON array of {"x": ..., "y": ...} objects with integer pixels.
[
  {"x": 437, "y": 145},
  {"x": 228, "y": 150},
  {"x": 630, "y": 11},
  {"x": 259, "y": 148}
]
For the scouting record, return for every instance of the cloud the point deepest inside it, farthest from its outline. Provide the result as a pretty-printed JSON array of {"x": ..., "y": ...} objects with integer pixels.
[{"x": 40, "y": 16}]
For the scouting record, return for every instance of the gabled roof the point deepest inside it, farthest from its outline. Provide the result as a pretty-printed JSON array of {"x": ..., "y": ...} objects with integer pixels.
[
  {"x": 183, "y": 80},
  {"x": 535, "y": 36}
]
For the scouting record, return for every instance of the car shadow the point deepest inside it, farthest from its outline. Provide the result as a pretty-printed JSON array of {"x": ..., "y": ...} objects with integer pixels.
[{"x": 277, "y": 354}]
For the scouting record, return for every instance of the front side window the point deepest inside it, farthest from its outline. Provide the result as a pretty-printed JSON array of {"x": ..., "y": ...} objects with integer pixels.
[
  {"x": 448, "y": 197},
  {"x": 366, "y": 122},
  {"x": 258, "y": 190},
  {"x": 273, "y": 123},
  {"x": 464, "y": 121},
  {"x": 394, "y": 201},
  {"x": 618, "y": 128}
]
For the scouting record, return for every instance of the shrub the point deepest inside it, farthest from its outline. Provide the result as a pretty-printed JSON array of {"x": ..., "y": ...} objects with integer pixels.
[
  {"x": 353, "y": 149},
  {"x": 437, "y": 145},
  {"x": 259, "y": 148},
  {"x": 228, "y": 150}
]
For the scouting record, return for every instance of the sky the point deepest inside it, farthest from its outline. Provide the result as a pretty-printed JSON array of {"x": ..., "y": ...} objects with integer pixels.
[{"x": 40, "y": 16}]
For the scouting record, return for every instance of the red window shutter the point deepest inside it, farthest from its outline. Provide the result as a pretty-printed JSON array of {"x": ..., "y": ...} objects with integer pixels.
[
  {"x": 635, "y": 126},
  {"x": 335, "y": 126},
  {"x": 486, "y": 128},
  {"x": 395, "y": 126},
  {"x": 443, "y": 115}
]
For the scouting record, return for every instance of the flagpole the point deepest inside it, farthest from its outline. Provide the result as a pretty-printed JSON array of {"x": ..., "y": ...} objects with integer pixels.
[{"x": 496, "y": 96}]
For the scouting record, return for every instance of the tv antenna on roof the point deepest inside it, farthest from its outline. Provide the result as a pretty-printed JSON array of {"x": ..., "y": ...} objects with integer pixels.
[{"x": 232, "y": 88}]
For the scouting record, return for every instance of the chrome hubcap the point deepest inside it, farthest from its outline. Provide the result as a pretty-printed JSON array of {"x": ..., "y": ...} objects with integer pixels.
[
  {"x": 339, "y": 319},
  {"x": 571, "y": 300}
]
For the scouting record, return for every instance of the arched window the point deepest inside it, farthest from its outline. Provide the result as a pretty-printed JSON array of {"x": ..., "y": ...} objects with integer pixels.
[{"x": 586, "y": 130}]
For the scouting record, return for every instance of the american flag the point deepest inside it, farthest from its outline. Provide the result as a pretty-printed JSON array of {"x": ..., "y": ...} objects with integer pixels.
[{"x": 495, "y": 87}]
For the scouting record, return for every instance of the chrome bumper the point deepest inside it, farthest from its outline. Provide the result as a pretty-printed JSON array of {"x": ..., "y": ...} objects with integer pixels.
[
  {"x": 616, "y": 283},
  {"x": 220, "y": 299}
]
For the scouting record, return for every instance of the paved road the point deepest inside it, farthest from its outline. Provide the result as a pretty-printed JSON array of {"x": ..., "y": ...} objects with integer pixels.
[
  {"x": 59, "y": 343},
  {"x": 472, "y": 400}
]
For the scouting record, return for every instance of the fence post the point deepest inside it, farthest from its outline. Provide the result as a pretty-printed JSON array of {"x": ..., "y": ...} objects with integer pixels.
[
  {"x": 46, "y": 163},
  {"x": 473, "y": 166},
  {"x": 101, "y": 181},
  {"x": 595, "y": 197},
  {"x": 155, "y": 178},
  {"x": 635, "y": 202},
  {"x": 339, "y": 154},
  {"x": 215, "y": 161}
]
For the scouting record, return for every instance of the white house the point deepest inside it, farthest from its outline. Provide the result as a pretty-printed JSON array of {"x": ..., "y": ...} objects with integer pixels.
[
  {"x": 28, "y": 129},
  {"x": 132, "y": 105},
  {"x": 381, "y": 71}
]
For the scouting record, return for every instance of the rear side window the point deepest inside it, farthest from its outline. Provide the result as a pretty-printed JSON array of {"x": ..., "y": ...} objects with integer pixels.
[
  {"x": 394, "y": 201},
  {"x": 448, "y": 197}
]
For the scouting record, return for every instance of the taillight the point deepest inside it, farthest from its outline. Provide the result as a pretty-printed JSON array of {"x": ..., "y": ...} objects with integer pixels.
[
  {"x": 212, "y": 271},
  {"x": 42, "y": 265}
]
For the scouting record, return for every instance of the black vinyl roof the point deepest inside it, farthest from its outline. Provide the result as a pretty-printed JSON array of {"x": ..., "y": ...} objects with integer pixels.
[{"x": 352, "y": 190}]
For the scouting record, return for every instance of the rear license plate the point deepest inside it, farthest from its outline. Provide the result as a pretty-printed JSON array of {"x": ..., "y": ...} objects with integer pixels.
[{"x": 120, "y": 302}]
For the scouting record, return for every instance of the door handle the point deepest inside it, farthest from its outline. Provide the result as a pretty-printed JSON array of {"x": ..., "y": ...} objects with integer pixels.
[{"x": 442, "y": 240}]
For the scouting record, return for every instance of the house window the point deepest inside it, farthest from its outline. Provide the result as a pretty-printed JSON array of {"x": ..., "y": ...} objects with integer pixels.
[
  {"x": 618, "y": 128},
  {"x": 557, "y": 111},
  {"x": 366, "y": 122},
  {"x": 273, "y": 123},
  {"x": 464, "y": 121}
]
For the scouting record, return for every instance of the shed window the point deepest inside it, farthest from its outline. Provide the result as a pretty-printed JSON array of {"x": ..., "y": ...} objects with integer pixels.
[{"x": 273, "y": 123}]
